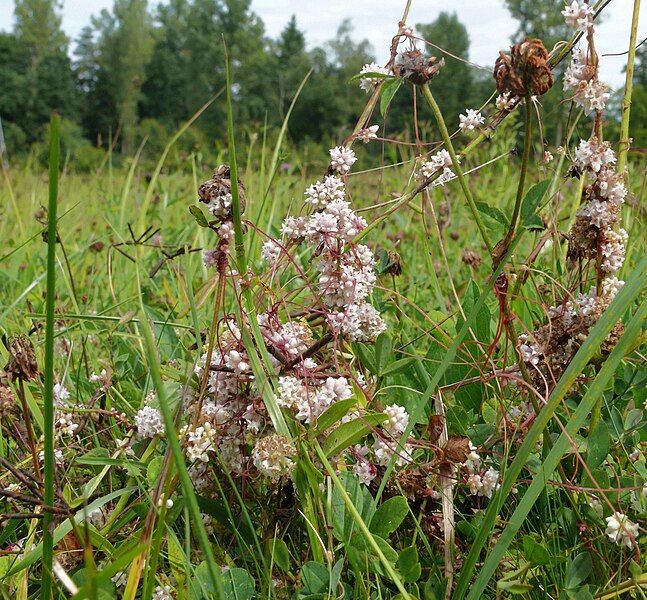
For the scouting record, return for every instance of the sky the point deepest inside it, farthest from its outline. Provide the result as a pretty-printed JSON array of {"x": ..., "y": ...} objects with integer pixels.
[{"x": 488, "y": 23}]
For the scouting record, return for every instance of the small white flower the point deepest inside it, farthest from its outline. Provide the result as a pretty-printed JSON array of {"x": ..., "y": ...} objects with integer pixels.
[
  {"x": 368, "y": 133},
  {"x": 621, "y": 530},
  {"x": 579, "y": 16},
  {"x": 471, "y": 120},
  {"x": 505, "y": 101},
  {"x": 369, "y": 83},
  {"x": 342, "y": 159}
]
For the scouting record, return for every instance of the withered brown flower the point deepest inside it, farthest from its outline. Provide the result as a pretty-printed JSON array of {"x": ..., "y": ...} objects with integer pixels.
[
  {"x": 416, "y": 67},
  {"x": 525, "y": 70},
  {"x": 22, "y": 360},
  {"x": 219, "y": 186}
]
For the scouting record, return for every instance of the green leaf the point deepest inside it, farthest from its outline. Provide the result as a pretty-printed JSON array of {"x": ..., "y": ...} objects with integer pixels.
[
  {"x": 277, "y": 552},
  {"x": 531, "y": 201},
  {"x": 397, "y": 366},
  {"x": 351, "y": 433},
  {"x": 409, "y": 565},
  {"x": 535, "y": 553},
  {"x": 579, "y": 570},
  {"x": 343, "y": 524},
  {"x": 198, "y": 215},
  {"x": 389, "y": 516},
  {"x": 383, "y": 352},
  {"x": 314, "y": 578},
  {"x": 366, "y": 356},
  {"x": 389, "y": 90},
  {"x": 237, "y": 584},
  {"x": 153, "y": 470},
  {"x": 598, "y": 445},
  {"x": 513, "y": 586},
  {"x": 333, "y": 414},
  {"x": 493, "y": 212}
]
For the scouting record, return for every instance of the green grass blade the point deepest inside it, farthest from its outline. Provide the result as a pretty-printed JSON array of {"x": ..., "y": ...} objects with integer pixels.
[
  {"x": 634, "y": 286},
  {"x": 48, "y": 396},
  {"x": 595, "y": 391}
]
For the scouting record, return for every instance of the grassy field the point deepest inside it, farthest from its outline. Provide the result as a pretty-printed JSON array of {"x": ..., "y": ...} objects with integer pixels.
[{"x": 508, "y": 479}]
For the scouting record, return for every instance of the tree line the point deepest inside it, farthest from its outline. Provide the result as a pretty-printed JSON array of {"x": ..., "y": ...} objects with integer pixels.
[{"x": 138, "y": 72}]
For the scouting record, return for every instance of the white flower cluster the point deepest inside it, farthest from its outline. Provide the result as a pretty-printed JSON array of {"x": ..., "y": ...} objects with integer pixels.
[
  {"x": 309, "y": 400},
  {"x": 601, "y": 211},
  {"x": 64, "y": 417},
  {"x": 471, "y": 120},
  {"x": 579, "y": 15},
  {"x": 342, "y": 158},
  {"x": 439, "y": 161},
  {"x": 581, "y": 78},
  {"x": 162, "y": 593},
  {"x": 621, "y": 530},
  {"x": 148, "y": 420},
  {"x": 199, "y": 441},
  {"x": 480, "y": 481},
  {"x": 368, "y": 133},
  {"x": 274, "y": 456},
  {"x": 368, "y": 83},
  {"x": 322, "y": 193},
  {"x": 505, "y": 101}
]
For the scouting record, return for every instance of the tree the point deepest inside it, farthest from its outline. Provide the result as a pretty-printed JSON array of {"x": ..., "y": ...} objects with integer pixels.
[
  {"x": 539, "y": 19},
  {"x": 454, "y": 82},
  {"x": 35, "y": 69}
]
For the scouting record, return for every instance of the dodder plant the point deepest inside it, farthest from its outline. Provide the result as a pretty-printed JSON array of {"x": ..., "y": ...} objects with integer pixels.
[{"x": 322, "y": 408}]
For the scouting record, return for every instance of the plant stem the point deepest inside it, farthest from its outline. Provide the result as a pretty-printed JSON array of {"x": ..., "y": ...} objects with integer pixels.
[
  {"x": 623, "y": 144},
  {"x": 524, "y": 168},
  {"x": 426, "y": 92},
  {"x": 48, "y": 396}
]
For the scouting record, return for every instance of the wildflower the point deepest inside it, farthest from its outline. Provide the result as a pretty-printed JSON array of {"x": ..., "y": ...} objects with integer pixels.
[
  {"x": 199, "y": 441},
  {"x": 274, "y": 456},
  {"x": 294, "y": 227},
  {"x": 58, "y": 456},
  {"x": 384, "y": 450},
  {"x": 61, "y": 394},
  {"x": 321, "y": 193},
  {"x": 120, "y": 578},
  {"x": 505, "y": 101},
  {"x": 579, "y": 16},
  {"x": 593, "y": 155},
  {"x": 210, "y": 258},
  {"x": 592, "y": 96},
  {"x": 7, "y": 399},
  {"x": 613, "y": 249},
  {"x": 621, "y": 530},
  {"x": 440, "y": 160},
  {"x": 342, "y": 159},
  {"x": 416, "y": 67},
  {"x": 471, "y": 120},
  {"x": 162, "y": 593},
  {"x": 530, "y": 353},
  {"x": 148, "y": 422},
  {"x": 397, "y": 421},
  {"x": 369, "y": 83},
  {"x": 368, "y": 133},
  {"x": 548, "y": 157}
]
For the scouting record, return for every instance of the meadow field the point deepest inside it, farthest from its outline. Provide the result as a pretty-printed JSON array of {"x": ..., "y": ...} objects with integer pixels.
[{"x": 411, "y": 368}]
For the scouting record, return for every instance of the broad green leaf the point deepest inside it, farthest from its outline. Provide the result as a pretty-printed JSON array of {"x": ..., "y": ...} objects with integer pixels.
[
  {"x": 389, "y": 90},
  {"x": 389, "y": 516},
  {"x": 342, "y": 521},
  {"x": 198, "y": 215},
  {"x": 237, "y": 584},
  {"x": 409, "y": 565},
  {"x": 333, "y": 414},
  {"x": 348, "y": 434},
  {"x": 579, "y": 570},
  {"x": 277, "y": 552},
  {"x": 315, "y": 578},
  {"x": 531, "y": 201},
  {"x": 535, "y": 553},
  {"x": 598, "y": 445}
]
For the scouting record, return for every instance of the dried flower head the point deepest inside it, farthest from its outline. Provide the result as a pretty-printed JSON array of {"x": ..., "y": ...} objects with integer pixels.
[
  {"x": 524, "y": 71},
  {"x": 416, "y": 67},
  {"x": 274, "y": 456},
  {"x": 7, "y": 399},
  {"x": 216, "y": 194},
  {"x": 22, "y": 360}
]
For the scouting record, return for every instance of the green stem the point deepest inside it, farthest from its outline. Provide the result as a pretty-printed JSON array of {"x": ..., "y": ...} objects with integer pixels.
[
  {"x": 426, "y": 92},
  {"x": 524, "y": 169},
  {"x": 48, "y": 397},
  {"x": 623, "y": 145}
]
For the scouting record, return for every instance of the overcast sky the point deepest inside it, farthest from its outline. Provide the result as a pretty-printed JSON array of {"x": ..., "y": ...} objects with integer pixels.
[{"x": 487, "y": 21}]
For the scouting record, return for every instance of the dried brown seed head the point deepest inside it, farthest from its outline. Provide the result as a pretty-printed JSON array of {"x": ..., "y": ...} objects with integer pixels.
[
  {"x": 22, "y": 360},
  {"x": 416, "y": 67},
  {"x": 525, "y": 70}
]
